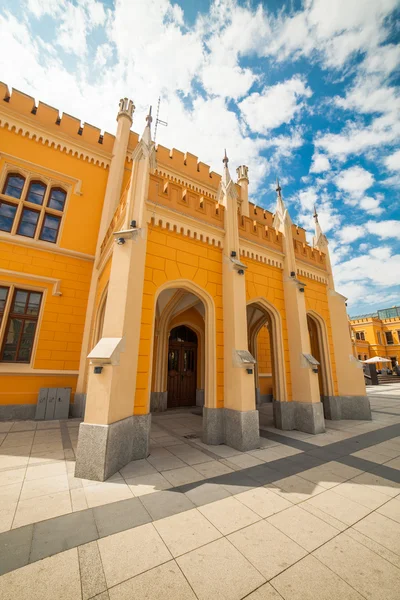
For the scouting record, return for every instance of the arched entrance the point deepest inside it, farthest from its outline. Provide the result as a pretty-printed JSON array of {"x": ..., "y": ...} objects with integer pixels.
[
  {"x": 319, "y": 349},
  {"x": 182, "y": 367},
  {"x": 266, "y": 345}
]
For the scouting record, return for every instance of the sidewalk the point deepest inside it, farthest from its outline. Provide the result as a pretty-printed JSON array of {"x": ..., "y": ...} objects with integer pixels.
[{"x": 303, "y": 517}]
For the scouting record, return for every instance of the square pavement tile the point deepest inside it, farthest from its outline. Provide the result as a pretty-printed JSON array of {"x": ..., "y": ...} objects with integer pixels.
[
  {"x": 393, "y": 464},
  {"x": 165, "y": 461},
  {"x": 263, "y": 502},
  {"x": 265, "y": 592},
  {"x": 224, "y": 574},
  {"x": 49, "y": 506},
  {"x": 190, "y": 455},
  {"x": 148, "y": 484},
  {"x": 309, "y": 579},
  {"x": 204, "y": 492},
  {"x": 45, "y": 486},
  {"x": 132, "y": 552},
  {"x": 119, "y": 516},
  {"x": 15, "y": 547},
  {"x": 137, "y": 468},
  {"x": 243, "y": 461},
  {"x": 381, "y": 529},
  {"x": 372, "y": 576},
  {"x": 48, "y": 470},
  {"x": 185, "y": 532},
  {"x": 374, "y": 546},
  {"x": 391, "y": 509},
  {"x": 166, "y": 503},
  {"x": 323, "y": 476},
  {"x": 295, "y": 488},
  {"x": 182, "y": 476},
  {"x": 362, "y": 494},
  {"x": 345, "y": 510},
  {"x": 228, "y": 515},
  {"x": 213, "y": 468},
  {"x": 303, "y": 527},
  {"x": 160, "y": 583},
  {"x": 9, "y": 495},
  {"x": 379, "y": 484},
  {"x": 104, "y": 493},
  {"x": 91, "y": 569},
  {"x": 62, "y": 533},
  {"x": 255, "y": 543},
  {"x": 54, "y": 577},
  {"x": 6, "y": 517},
  {"x": 5, "y": 426}
]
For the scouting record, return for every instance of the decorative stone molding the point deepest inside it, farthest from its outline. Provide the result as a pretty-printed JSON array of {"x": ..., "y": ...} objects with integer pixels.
[
  {"x": 261, "y": 255},
  {"x": 56, "y": 282},
  {"x": 307, "y": 272}
]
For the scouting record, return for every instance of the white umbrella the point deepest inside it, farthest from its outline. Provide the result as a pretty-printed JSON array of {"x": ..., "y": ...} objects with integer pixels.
[{"x": 377, "y": 359}]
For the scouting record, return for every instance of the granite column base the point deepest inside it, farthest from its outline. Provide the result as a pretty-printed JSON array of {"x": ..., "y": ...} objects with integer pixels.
[
  {"x": 303, "y": 416},
  {"x": 347, "y": 407},
  {"x": 104, "y": 449}
]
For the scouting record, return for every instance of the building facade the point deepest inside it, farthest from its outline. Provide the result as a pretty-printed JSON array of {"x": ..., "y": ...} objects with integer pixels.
[
  {"x": 377, "y": 334},
  {"x": 143, "y": 281}
]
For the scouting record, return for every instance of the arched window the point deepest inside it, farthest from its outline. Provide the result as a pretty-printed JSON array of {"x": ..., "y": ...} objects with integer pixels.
[
  {"x": 14, "y": 185},
  {"x": 57, "y": 199},
  {"x": 36, "y": 192}
]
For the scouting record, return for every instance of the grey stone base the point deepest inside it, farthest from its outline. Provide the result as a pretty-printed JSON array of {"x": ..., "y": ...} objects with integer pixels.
[
  {"x": 213, "y": 426},
  {"x": 199, "y": 397},
  {"x": 303, "y": 416},
  {"x": 240, "y": 430},
  {"x": 77, "y": 409},
  {"x": 347, "y": 407},
  {"x": 15, "y": 412},
  {"x": 158, "y": 401},
  {"x": 104, "y": 449}
]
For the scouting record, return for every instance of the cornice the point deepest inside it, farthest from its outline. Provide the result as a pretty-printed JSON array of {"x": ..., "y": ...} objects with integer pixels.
[
  {"x": 192, "y": 184},
  {"x": 19, "y": 125},
  {"x": 52, "y": 280},
  {"x": 261, "y": 253},
  {"x": 43, "y": 246}
]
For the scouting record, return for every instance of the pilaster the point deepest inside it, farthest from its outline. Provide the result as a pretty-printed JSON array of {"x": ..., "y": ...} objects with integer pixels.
[{"x": 243, "y": 181}]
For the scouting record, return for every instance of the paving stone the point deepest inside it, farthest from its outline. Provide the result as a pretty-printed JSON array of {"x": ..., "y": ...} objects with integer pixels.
[
  {"x": 214, "y": 468},
  {"x": 265, "y": 592},
  {"x": 224, "y": 572},
  {"x": 15, "y": 547},
  {"x": 186, "y": 531},
  {"x": 295, "y": 488},
  {"x": 119, "y": 516},
  {"x": 92, "y": 575},
  {"x": 228, "y": 515},
  {"x": 362, "y": 494},
  {"x": 165, "y": 504},
  {"x": 339, "y": 507},
  {"x": 303, "y": 527},
  {"x": 62, "y": 533},
  {"x": 255, "y": 543},
  {"x": 371, "y": 575},
  {"x": 161, "y": 583},
  {"x": 56, "y": 577},
  {"x": 374, "y": 546},
  {"x": 132, "y": 552},
  {"x": 49, "y": 506},
  {"x": 391, "y": 509},
  {"x": 381, "y": 529},
  {"x": 263, "y": 502},
  {"x": 237, "y": 481},
  {"x": 182, "y": 476},
  {"x": 309, "y": 579}
]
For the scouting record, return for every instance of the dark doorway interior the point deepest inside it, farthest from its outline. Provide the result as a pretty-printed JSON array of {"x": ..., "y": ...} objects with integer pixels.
[{"x": 182, "y": 367}]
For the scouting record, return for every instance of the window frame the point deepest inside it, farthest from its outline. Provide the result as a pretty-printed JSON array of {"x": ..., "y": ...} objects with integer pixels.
[
  {"x": 8, "y": 315},
  {"x": 32, "y": 237},
  {"x": 378, "y": 334},
  {"x": 22, "y": 202},
  {"x": 15, "y": 216},
  {"x": 386, "y": 336}
]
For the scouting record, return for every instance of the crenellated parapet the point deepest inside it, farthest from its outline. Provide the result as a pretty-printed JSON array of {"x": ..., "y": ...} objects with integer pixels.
[
  {"x": 306, "y": 253},
  {"x": 187, "y": 167},
  {"x": 43, "y": 123}
]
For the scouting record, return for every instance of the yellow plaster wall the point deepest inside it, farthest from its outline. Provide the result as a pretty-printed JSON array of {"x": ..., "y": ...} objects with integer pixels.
[
  {"x": 317, "y": 300},
  {"x": 60, "y": 329},
  {"x": 170, "y": 257},
  {"x": 267, "y": 281},
  {"x": 264, "y": 360}
]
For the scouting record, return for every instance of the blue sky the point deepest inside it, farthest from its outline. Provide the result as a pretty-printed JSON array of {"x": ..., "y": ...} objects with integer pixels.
[{"x": 305, "y": 90}]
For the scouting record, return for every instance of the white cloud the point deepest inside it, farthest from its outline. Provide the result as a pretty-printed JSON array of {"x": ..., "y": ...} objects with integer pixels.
[
  {"x": 384, "y": 229},
  {"x": 308, "y": 198},
  {"x": 103, "y": 54},
  {"x": 236, "y": 81},
  {"x": 355, "y": 181},
  {"x": 371, "y": 205},
  {"x": 392, "y": 162},
  {"x": 350, "y": 233},
  {"x": 274, "y": 105},
  {"x": 320, "y": 163}
]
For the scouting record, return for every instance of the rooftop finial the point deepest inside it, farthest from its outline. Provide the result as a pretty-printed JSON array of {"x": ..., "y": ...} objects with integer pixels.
[
  {"x": 225, "y": 160},
  {"x": 149, "y": 118},
  {"x": 278, "y": 187},
  {"x": 315, "y": 215}
]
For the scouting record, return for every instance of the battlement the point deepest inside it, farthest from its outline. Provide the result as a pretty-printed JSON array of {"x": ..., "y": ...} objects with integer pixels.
[
  {"x": 48, "y": 117},
  {"x": 188, "y": 165},
  {"x": 306, "y": 253},
  {"x": 260, "y": 232}
]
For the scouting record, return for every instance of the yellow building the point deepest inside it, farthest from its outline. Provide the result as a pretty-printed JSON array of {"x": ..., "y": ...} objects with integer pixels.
[
  {"x": 178, "y": 289},
  {"x": 377, "y": 334}
]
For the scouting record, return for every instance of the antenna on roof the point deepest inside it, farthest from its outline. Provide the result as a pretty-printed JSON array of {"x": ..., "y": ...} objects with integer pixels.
[{"x": 158, "y": 121}]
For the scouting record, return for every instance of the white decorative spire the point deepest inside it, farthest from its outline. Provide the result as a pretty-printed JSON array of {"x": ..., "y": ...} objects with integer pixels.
[
  {"x": 281, "y": 212},
  {"x": 126, "y": 109},
  {"x": 320, "y": 240},
  {"x": 146, "y": 146},
  {"x": 226, "y": 187}
]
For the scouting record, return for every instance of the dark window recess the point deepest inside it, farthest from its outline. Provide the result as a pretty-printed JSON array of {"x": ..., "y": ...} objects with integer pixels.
[
  {"x": 13, "y": 186},
  {"x": 21, "y": 327},
  {"x": 51, "y": 225},
  {"x": 28, "y": 222},
  {"x": 7, "y": 215},
  {"x": 57, "y": 199},
  {"x": 36, "y": 192},
  {"x": 389, "y": 337},
  {"x": 183, "y": 334},
  {"x": 3, "y": 300}
]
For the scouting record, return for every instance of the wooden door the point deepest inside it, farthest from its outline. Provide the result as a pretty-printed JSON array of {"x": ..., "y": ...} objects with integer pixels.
[{"x": 182, "y": 368}]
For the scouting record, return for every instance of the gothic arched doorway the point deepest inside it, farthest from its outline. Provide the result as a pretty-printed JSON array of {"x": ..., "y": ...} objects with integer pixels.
[{"x": 182, "y": 367}]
